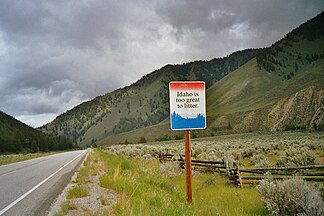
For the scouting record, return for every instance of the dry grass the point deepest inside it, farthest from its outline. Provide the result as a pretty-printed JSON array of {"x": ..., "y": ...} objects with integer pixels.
[{"x": 13, "y": 158}]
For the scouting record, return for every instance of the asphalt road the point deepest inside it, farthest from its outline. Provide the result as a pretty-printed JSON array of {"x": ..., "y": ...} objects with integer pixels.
[{"x": 29, "y": 187}]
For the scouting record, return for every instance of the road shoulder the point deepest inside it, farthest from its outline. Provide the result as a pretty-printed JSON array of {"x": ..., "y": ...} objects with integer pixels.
[{"x": 95, "y": 200}]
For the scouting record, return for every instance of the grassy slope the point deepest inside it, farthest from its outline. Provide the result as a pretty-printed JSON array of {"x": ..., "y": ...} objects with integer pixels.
[
  {"x": 239, "y": 90},
  {"x": 247, "y": 107},
  {"x": 251, "y": 87}
]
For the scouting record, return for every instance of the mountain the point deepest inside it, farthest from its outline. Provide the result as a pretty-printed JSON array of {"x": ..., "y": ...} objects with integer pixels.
[
  {"x": 276, "y": 88},
  {"x": 281, "y": 89},
  {"x": 142, "y": 104},
  {"x": 16, "y": 137}
]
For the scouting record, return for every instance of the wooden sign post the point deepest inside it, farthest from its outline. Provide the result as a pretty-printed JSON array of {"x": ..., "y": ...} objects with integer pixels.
[
  {"x": 188, "y": 166},
  {"x": 187, "y": 112}
]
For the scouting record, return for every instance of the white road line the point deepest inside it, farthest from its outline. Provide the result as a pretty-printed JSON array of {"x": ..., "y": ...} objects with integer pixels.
[{"x": 34, "y": 188}]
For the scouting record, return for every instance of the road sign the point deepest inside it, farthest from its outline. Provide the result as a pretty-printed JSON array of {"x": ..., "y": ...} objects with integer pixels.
[{"x": 187, "y": 105}]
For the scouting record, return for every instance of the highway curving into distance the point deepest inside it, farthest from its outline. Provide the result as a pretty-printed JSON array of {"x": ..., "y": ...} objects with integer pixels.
[{"x": 29, "y": 187}]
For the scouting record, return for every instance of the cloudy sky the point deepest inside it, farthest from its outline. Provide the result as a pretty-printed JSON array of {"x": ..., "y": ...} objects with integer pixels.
[{"x": 55, "y": 54}]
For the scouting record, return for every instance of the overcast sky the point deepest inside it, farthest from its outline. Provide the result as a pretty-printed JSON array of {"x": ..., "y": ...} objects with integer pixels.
[{"x": 56, "y": 54}]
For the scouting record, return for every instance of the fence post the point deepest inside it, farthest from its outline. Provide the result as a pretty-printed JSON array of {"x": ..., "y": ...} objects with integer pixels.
[
  {"x": 182, "y": 162},
  {"x": 229, "y": 171},
  {"x": 226, "y": 166},
  {"x": 237, "y": 174}
]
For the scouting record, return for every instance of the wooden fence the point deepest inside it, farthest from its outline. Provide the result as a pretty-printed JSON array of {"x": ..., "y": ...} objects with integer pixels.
[{"x": 239, "y": 176}]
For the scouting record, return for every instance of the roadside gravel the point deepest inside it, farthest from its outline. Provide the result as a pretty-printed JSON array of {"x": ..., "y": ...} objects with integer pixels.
[{"x": 99, "y": 201}]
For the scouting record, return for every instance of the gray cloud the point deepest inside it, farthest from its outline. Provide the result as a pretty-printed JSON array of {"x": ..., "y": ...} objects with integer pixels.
[
  {"x": 225, "y": 26},
  {"x": 56, "y": 54}
]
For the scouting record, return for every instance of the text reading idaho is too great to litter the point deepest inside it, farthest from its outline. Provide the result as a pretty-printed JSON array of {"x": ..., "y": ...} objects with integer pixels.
[{"x": 187, "y": 99}]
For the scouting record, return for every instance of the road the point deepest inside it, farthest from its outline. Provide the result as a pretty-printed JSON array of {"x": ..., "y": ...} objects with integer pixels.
[{"x": 29, "y": 187}]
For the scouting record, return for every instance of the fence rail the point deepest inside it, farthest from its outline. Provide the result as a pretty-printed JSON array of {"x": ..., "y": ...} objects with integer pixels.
[{"x": 237, "y": 176}]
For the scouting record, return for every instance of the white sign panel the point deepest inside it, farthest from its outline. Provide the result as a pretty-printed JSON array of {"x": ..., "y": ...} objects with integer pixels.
[{"x": 187, "y": 105}]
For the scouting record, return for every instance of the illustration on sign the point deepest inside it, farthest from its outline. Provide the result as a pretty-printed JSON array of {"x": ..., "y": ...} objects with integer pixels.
[{"x": 187, "y": 105}]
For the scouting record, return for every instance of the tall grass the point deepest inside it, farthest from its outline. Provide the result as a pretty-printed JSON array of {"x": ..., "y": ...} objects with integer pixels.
[
  {"x": 146, "y": 192},
  {"x": 213, "y": 196}
]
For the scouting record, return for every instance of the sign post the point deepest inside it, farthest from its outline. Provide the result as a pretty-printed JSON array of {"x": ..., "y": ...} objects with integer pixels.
[
  {"x": 187, "y": 112},
  {"x": 188, "y": 166}
]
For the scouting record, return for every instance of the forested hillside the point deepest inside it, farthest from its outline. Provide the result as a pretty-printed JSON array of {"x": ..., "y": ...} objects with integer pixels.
[
  {"x": 142, "y": 104},
  {"x": 16, "y": 137}
]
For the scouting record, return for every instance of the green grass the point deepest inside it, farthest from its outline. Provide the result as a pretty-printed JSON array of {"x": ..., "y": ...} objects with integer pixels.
[
  {"x": 65, "y": 208},
  {"x": 215, "y": 197},
  {"x": 146, "y": 192},
  {"x": 13, "y": 158},
  {"x": 77, "y": 192}
]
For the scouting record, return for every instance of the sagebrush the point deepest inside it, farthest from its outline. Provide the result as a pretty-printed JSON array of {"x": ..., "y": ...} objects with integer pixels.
[{"x": 291, "y": 197}]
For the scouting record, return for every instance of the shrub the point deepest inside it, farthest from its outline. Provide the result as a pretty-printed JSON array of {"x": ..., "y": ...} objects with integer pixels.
[
  {"x": 296, "y": 157},
  {"x": 248, "y": 152},
  {"x": 66, "y": 207},
  {"x": 163, "y": 138},
  {"x": 142, "y": 140},
  {"x": 260, "y": 160},
  {"x": 290, "y": 197}
]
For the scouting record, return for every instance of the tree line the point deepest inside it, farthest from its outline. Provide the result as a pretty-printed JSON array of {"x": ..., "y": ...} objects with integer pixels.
[{"x": 16, "y": 137}]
